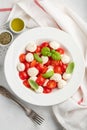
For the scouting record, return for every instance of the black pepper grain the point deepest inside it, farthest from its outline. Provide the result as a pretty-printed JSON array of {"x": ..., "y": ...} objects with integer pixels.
[{"x": 5, "y": 38}]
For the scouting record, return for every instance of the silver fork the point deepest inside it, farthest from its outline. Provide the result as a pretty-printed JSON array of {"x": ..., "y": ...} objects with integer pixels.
[{"x": 29, "y": 112}]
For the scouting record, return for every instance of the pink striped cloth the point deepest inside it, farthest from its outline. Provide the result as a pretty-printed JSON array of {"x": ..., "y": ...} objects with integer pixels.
[
  {"x": 5, "y": 9},
  {"x": 71, "y": 114}
]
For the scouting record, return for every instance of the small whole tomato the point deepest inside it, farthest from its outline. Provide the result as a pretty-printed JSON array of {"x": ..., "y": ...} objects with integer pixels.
[
  {"x": 44, "y": 44},
  {"x": 22, "y": 58},
  {"x": 60, "y": 50},
  {"x": 27, "y": 65},
  {"x": 23, "y": 75},
  {"x": 40, "y": 80},
  {"x": 38, "y": 49},
  {"x": 58, "y": 69},
  {"x": 25, "y": 82},
  {"x": 51, "y": 84},
  {"x": 47, "y": 90}
]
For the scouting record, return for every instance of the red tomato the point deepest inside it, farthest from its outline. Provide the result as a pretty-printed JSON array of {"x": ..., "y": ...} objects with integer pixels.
[
  {"x": 38, "y": 49},
  {"x": 47, "y": 90},
  {"x": 33, "y": 63},
  {"x": 25, "y": 82},
  {"x": 23, "y": 75},
  {"x": 40, "y": 80},
  {"x": 60, "y": 50},
  {"x": 27, "y": 65},
  {"x": 42, "y": 68},
  {"x": 54, "y": 63},
  {"x": 58, "y": 69},
  {"x": 48, "y": 63},
  {"x": 44, "y": 44},
  {"x": 51, "y": 84},
  {"x": 64, "y": 66},
  {"x": 22, "y": 57}
]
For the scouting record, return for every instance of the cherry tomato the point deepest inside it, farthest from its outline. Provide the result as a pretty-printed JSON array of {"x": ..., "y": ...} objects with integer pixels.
[
  {"x": 42, "y": 68},
  {"x": 23, "y": 75},
  {"x": 22, "y": 58},
  {"x": 25, "y": 82},
  {"x": 64, "y": 66},
  {"x": 58, "y": 69},
  {"x": 44, "y": 44},
  {"x": 40, "y": 80},
  {"x": 38, "y": 49},
  {"x": 54, "y": 63},
  {"x": 27, "y": 65},
  {"x": 48, "y": 63},
  {"x": 60, "y": 50},
  {"x": 47, "y": 90},
  {"x": 51, "y": 84},
  {"x": 33, "y": 63}
]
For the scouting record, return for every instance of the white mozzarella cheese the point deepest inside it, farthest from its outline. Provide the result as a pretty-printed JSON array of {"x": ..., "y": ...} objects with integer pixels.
[
  {"x": 55, "y": 45},
  {"x": 39, "y": 90},
  {"x": 62, "y": 83},
  {"x": 66, "y": 76},
  {"x": 56, "y": 77},
  {"x": 31, "y": 47},
  {"x": 65, "y": 59},
  {"x": 33, "y": 78},
  {"x": 20, "y": 67},
  {"x": 29, "y": 57},
  {"x": 32, "y": 71},
  {"x": 44, "y": 59}
]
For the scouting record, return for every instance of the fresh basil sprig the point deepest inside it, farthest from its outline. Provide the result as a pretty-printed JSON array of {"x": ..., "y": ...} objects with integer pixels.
[{"x": 70, "y": 67}]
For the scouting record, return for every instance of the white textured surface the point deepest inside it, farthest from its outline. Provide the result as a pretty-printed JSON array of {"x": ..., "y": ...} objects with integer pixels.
[{"x": 11, "y": 116}]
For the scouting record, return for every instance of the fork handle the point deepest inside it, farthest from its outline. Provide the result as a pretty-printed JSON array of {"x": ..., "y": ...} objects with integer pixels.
[{"x": 9, "y": 95}]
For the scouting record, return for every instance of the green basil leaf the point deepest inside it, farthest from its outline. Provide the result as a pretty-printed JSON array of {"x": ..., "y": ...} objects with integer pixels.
[
  {"x": 55, "y": 55},
  {"x": 33, "y": 84},
  {"x": 37, "y": 58},
  {"x": 70, "y": 67},
  {"x": 48, "y": 74},
  {"x": 45, "y": 51}
]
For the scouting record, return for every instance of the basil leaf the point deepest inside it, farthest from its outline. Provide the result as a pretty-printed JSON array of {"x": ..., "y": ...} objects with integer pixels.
[
  {"x": 37, "y": 58},
  {"x": 48, "y": 74},
  {"x": 55, "y": 55},
  {"x": 45, "y": 51},
  {"x": 70, "y": 67},
  {"x": 33, "y": 84}
]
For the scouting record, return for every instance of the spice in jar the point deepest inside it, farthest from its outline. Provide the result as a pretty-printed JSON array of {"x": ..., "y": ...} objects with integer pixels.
[{"x": 5, "y": 38}]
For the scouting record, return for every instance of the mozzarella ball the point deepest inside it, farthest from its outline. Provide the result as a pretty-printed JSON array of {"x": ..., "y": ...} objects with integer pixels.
[
  {"x": 55, "y": 45},
  {"x": 32, "y": 71},
  {"x": 29, "y": 57},
  {"x": 44, "y": 59},
  {"x": 50, "y": 69},
  {"x": 61, "y": 83},
  {"x": 65, "y": 59},
  {"x": 39, "y": 90},
  {"x": 33, "y": 78},
  {"x": 66, "y": 76},
  {"x": 20, "y": 67},
  {"x": 31, "y": 47},
  {"x": 56, "y": 77}
]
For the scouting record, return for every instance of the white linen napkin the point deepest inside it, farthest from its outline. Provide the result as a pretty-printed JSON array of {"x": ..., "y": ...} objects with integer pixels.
[{"x": 71, "y": 114}]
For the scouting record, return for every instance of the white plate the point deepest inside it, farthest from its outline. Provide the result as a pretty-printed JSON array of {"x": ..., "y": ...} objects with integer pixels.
[{"x": 18, "y": 46}]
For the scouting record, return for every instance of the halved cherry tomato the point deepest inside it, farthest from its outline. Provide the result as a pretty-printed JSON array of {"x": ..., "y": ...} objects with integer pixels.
[
  {"x": 47, "y": 90},
  {"x": 58, "y": 69},
  {"x": 44, "y": 44},
  {"x": 27, "y": 65},
  {"x": 64, "y": 66},
  {"x": 60, "y": 50},
  {"x": 40, "y": 80},
  {"x": 22, "y": 58},
  {"x": 33, "y": 63},
  {"x": 25, "y": 82},
  {"x": 38, "y": 49},
  {"x": 54, "y": 63},
  {"x": 48, "y": 63},
  {"x": 51, "y": 84},
  {"x": 42, "y": 68},
  {"x": 23, "y": 75}
]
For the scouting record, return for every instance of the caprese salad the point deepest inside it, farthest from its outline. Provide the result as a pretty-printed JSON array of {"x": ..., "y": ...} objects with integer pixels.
[{"x": 44, "y": 67}]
